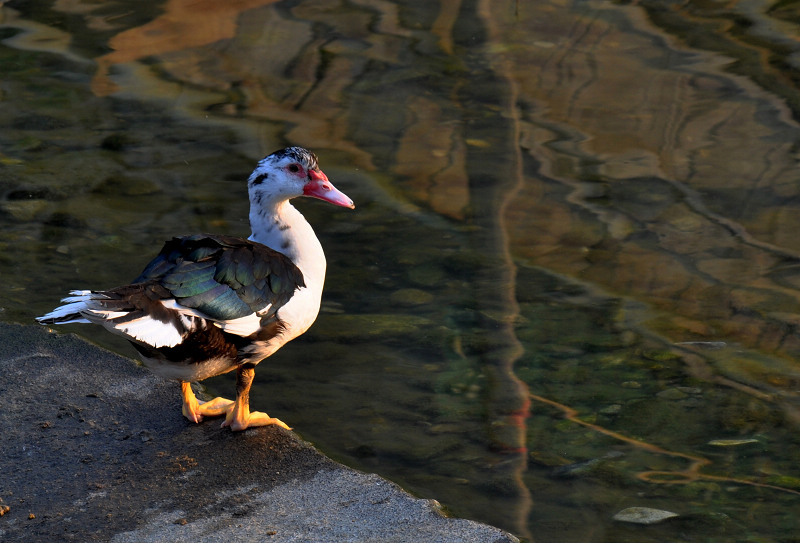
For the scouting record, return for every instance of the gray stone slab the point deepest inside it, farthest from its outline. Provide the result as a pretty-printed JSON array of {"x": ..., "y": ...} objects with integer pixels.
[{"x": 94, "y": 448}]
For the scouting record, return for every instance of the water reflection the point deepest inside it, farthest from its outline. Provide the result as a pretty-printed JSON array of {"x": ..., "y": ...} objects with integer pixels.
[{"x": 561, "y": 208}]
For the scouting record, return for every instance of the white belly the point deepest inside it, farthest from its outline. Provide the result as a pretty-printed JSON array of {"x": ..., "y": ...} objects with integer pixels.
[{"x": 193, "y": 371}]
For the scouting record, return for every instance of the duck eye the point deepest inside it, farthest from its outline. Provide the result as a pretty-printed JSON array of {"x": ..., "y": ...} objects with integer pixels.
[{"x": 294, "y": 168}]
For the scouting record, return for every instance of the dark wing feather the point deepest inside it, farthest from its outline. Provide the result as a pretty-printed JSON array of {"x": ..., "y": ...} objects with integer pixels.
[{"x": 223, "y": 277}]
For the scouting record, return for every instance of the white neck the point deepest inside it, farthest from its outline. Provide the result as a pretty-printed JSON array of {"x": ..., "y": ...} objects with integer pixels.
[{"x": 284, "y": 229}]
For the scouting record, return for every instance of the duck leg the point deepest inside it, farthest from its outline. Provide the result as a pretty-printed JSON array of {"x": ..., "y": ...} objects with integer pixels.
[
  {"x": 239, "y": 416},
  {"x": 194, "y": 410}
]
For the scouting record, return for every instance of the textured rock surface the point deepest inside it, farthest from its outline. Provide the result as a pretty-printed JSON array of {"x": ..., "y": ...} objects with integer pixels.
[{"x": 95, "y": 449}]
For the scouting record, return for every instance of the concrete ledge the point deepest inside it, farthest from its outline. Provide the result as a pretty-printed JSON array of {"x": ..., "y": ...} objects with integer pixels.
[{"x": 94, "y": 449}]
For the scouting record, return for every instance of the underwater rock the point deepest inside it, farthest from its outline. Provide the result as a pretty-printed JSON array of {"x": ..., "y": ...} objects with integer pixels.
[
  {"x": 39, "y": 122},
  {"x": 585, "y": 468},
  {"x": 709, "y": 345},
  {"x": 411, "y": 296},
  {"x": 127, "y": 185},
  {"x": 426, "y": 275}
]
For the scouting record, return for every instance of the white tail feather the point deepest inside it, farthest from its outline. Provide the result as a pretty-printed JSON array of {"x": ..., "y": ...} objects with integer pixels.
[
  {"x": 82, "y": 307},
  {"x": 72, "y": 310}
]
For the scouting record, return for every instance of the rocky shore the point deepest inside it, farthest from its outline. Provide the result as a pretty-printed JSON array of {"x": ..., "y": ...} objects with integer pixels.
[{"x": 94, "y": 448}]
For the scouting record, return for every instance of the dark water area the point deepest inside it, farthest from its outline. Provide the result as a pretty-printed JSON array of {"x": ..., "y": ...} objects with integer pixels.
[{"x": 570, "y": 284}]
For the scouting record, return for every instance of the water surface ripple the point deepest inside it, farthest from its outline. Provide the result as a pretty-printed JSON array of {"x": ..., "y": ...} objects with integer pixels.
[{"x": 571, "y": 282}]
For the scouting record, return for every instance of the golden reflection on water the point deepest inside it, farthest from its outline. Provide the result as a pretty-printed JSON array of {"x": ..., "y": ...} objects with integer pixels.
[
  {"x": 184, "y": 25},
  {"x": 651, "y": 188}
]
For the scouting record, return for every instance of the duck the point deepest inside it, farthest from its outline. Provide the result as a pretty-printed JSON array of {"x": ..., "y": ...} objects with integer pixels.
[{"x": 211, "y": 304}]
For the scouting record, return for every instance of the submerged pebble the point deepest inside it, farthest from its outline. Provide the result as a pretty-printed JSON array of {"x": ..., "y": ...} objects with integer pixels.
[
  {"x": 731, "y": 442},
  {"x": 690, "y": 390},
  {"x": 24, "y": 210},
  {"x": 612, "y": 409},
  {"x": 672, "y": 394},
  {"x": 643, "y": 515}
]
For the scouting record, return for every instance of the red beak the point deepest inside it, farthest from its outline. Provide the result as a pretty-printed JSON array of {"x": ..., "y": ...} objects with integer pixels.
[{"x": 318, "y": 186}]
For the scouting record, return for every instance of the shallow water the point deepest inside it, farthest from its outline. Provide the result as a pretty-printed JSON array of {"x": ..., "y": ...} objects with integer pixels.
[{"x": 570, "y": 285}]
